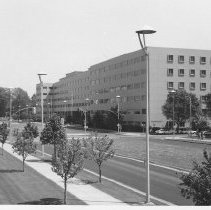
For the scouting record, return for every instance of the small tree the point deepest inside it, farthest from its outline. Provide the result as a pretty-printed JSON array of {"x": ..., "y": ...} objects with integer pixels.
[
  {"x": 69, "y": 161},
  {"x": 99, "y": 149},
  {"x": 197, "y": 184},
  {"x": 53, "y": 133},
  {"x": 180, "y": 103},
  {"x": 208, "y": 104},
  {"x": 201, "y": 124},
  {"x": 4, "y": 131},
  {"x": 24, "y": 144}
]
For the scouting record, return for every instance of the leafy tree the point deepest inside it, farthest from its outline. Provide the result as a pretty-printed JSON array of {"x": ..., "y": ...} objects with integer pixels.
[
  {"x": 69, "y": 161},
  {"x": 197, "y": 184},
  {"x": 208, "y": 103},
  {"x": 4, "y": 131},
  {"x": 99, "y": 149},
  {"x": 181, "y": 102},
  {"x": 201, "y": 124},
  {"x": 53, "y": 132},
  {"x": 31, "y": 130},
  {"x": 4, "y": 101},
  {"x": 98, "y": 119},
  {"x": 111, "y": 119},
  {"x": 24, "y": 144}
]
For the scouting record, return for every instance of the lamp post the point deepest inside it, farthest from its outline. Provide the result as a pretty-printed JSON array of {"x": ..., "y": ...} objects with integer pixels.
[
  {"x": 10, "y": 117},
  {"x": 146, "y": 30},
  {"x": 65, "y": 109},
  {"x": 173, "y": 92},
  {"x": 118, "y": 124},
  {"x": 85, "y": 114},
  {"x": 41, "y": 100}
]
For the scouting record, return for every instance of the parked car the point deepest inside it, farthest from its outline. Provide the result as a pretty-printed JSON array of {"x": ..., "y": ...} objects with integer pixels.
[
  {"x": 160, "y": 131},
  {"x": 183, "y": 130},
  {"x": 163, "y": 131},
  {"x": 154, "y": 129}
]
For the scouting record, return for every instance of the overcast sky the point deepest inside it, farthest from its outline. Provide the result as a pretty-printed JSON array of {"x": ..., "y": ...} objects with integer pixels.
[{"x": 61, "y": 36}]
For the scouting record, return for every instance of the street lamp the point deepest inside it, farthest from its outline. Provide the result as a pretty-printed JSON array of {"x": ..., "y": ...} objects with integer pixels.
[
  {"x": 118, "y": 124},
  {"x": 85, "y": 114},
  {"x": 65, "y": 109},
  {"x": 173, "y": 92},
  {"x": 146, "y": 30},
  {"x": 41, "y": 99}
]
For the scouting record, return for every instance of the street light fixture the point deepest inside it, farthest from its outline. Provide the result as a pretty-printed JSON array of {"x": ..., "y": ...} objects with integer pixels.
[
  {"x": 41, "y": 99},
  {"x": 146, "y": 30},
  {"x": 118, "y": 124}
]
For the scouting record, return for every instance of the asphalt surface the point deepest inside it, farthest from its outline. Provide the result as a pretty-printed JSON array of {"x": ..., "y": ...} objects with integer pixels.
[
  {"x": 29, "y": 187},
  {"x": 164, "y": 183}
]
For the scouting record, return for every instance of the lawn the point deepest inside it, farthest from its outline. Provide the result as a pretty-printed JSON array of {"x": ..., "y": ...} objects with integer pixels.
[{"x": 29, "y": 187}]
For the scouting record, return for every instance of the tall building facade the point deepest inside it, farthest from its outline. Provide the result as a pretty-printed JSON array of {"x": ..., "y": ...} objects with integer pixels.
[{"x": 125, "y": 76}]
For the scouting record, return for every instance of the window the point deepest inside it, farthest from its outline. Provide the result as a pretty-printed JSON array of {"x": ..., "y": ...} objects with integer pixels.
[
  {"x": 192, "y": 86},
  {"x": 170, "y": 58},
  {"x": 170, "y": 85},
  {"x": 137, "y": 98},
  {"x": 192, "y": 72},
  {"x": 202, "y": 99},
  {"x": 143, "y": 97},
  {"x": 137, "y": 112},
  {"x": 170, "y": 72},
  {"x": 136, "y": 85},
  {"x": 181, "y": 72},
  {"x": 203, "y": 86},
  {"x": 143, "y": 111},
  {"x": 202, "y": 73},
  {"x": 181, "y": 85},
  {"x": 192, "y": 59},
  {"x": 44, "y": 88},
  {"x": 202, "y": 60},
  {"x": 181, "y": 59}
]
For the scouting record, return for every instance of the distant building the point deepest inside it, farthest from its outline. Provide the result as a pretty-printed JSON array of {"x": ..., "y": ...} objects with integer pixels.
[{"x": 125, "y": 76}]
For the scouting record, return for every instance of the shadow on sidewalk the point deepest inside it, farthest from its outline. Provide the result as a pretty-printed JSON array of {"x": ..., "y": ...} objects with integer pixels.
[
  {"x": 40, "y": 161},
  {"x": 44, "y": 201},
  {"x": 10, "y": 171}
]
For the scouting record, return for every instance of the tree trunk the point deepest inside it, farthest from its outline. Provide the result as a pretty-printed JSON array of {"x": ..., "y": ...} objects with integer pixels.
[
  {"x": 65, "y": 190},
  {"x": 100, "y": 173},
  {"x": 23, "y": 164},
  {"x": 2, "y": 149},
  {"x": 54, "y": 148}
]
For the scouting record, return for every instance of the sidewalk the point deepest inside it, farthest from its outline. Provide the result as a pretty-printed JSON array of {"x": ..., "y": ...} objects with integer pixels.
[{"x": 81, "y": 190}]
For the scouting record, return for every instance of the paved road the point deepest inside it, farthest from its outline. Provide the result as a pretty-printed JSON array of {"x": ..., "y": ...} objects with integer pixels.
[{"x": 164, "y": 183}]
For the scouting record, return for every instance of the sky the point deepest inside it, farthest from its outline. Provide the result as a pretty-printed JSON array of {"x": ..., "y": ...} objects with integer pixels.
[{"x": 61, "y": 36}]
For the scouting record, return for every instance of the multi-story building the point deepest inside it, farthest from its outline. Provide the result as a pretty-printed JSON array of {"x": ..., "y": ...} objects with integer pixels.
[{"x": 125, "y": 76}]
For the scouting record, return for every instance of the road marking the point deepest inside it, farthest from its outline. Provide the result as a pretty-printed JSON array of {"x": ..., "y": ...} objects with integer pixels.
[
  {"x": 153, "y": 164},
  {"x": 125, "y": 186},
  {"x": 131, "y": 188}
]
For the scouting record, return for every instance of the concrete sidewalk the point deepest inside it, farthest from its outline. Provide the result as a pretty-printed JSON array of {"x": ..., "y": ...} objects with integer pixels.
[{"x": 81, "y": 190}]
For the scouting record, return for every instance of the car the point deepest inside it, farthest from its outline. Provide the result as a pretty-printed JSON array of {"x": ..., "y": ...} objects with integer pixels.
[{"x": 160, "y": 131}]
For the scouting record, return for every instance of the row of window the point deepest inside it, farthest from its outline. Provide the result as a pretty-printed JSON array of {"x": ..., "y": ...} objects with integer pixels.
[
  {"x": 112, "y": 67},
  {"x": 181, "y": 85},
  {"x": 118, "y": 77},
  {"x": 181, "y": 72},
  {"x": 181, "y": 59}
]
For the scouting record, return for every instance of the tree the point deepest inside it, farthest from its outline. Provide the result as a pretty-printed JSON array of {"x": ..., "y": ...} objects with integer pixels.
[
  {"x": 99, "y": 149},
  {"x": 69, "y": 161},
  {"x": 4, "y": 131},
  {"x": 53, "y": 132},
  {"x": 98, "y": 119},
  {"x": 208, "y": 104},
  {"x": 197, "y": 184},
  {"x": 24, "y": 144},
  {"x": 180, "y": 101},
  {"x": 201, "y": 124},
  {"x": 111, "y": 119}
]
